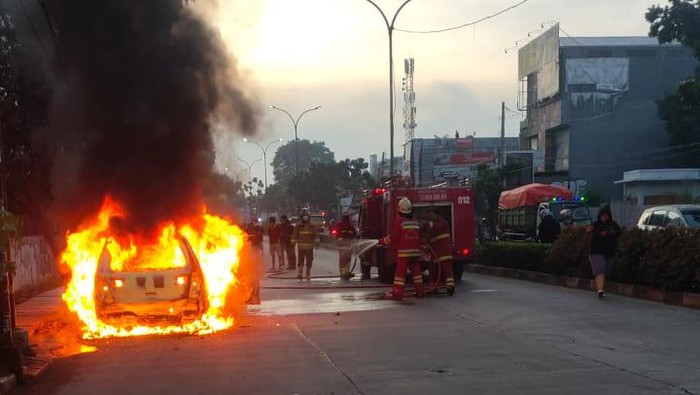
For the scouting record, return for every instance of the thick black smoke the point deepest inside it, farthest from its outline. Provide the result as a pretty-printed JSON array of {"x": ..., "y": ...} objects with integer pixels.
[{"x": 141, "y": 81}]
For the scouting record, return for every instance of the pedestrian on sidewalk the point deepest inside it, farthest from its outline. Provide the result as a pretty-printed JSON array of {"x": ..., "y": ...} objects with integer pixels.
[
  {"x": 346, "y": 234},
  {"x": 286, "y": 232},
  {"x": 306, "y": 238},
  {"x": 273, "y": 233},
  {"x": 549, "y": 229},
  {"x": 604, "y": 234}
]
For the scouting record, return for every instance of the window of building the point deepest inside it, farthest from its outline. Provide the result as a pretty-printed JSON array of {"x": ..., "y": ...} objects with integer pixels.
[
  {"x": 557, "y": 151},
  {"x": 533, "y": 143}
]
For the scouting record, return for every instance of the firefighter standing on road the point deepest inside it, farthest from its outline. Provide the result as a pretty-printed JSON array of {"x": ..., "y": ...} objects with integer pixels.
[
  {"x": 346, "y": 233},
  {"x": 405, "y": 237},
  {"x": 306, "y": 238},
  {"x": 440, "y": 241},
  {"x": 286, "y": 241}
]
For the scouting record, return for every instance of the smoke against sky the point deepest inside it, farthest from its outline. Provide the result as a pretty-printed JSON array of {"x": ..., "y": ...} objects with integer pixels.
[{"x": 142, "y": 83}]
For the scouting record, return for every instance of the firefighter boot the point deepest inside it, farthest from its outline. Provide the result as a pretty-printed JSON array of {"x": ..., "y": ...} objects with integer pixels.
[
  {"x": 418, "y": 285},
  {"x": 300, "y": 270},
  {"x": 308, "y": 272},
  {"x": 450, "y": 282},
  {"x": 396, "y": 293}
]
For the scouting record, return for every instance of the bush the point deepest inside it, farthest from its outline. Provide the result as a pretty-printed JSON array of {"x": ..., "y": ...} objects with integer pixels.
[
  {"x": 514, "y": 255},
  {"x": 666, "y": 259}
]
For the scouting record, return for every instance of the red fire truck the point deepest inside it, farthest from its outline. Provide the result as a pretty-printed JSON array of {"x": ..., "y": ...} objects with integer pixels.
[{"x": 378, "y": 211}]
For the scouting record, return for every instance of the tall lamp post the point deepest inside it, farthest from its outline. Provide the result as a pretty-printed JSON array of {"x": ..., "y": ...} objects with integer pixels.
[
  {"x": 249, "y": 166},
  {"x": 264, "y": 152},
  {"x": 390, "y": 29},
  {"x": 295, "y": 122}
]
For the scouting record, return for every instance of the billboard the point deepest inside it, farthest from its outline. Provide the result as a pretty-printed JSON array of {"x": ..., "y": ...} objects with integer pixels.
[
  {"x": 541, "y": 56},
  {"x": 467, "y": 142},
  {"x": 464, "y": 159}
]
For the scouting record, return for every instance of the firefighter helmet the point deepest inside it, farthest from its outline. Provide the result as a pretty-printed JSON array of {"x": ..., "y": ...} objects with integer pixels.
[
  {"x": 304, "y": 215},
  {"x": 405, "y": 206}
]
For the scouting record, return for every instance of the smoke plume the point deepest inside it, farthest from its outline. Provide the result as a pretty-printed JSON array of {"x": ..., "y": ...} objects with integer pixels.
[{"x": 141, "y": 83}]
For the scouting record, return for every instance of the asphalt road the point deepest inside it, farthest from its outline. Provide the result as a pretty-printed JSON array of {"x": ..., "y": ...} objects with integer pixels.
[{"x": 495, "y": 336}]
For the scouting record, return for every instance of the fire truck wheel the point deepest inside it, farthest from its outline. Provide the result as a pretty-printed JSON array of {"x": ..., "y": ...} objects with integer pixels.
[
  {"x": 386, "y": 273},
  {"x": 458, "y": 267}
]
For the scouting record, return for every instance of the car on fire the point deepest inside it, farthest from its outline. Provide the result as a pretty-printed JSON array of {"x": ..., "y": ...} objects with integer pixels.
[{"x": 174, "y": 294}]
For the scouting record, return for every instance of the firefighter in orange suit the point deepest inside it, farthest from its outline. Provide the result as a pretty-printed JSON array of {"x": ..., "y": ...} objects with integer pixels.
[
  {"x": 405, "y": 238},
  {"x": 440, "y": 241},
  {"x": 306, "y": 238}
]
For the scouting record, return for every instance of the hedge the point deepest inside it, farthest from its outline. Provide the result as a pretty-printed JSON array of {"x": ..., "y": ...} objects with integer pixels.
[{"x": 666, "y": 259}]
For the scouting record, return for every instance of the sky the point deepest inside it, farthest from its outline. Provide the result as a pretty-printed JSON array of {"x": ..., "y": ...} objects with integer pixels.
[{"x": 299, "y": 54}]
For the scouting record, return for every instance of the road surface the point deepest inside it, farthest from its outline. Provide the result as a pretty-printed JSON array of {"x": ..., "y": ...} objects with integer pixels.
[{"x": 495, "y": 336}]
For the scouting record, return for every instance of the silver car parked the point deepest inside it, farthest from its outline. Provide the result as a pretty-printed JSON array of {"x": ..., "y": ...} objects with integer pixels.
[{"x": 679, "y": 215}]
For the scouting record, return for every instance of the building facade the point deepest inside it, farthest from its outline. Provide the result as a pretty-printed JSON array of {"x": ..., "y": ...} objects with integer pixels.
[
  {"x": 435, "y": 160},
  {"x": 591, "y": 107}
]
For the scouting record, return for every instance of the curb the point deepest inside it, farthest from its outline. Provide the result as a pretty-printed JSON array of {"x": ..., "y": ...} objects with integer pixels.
[
  {"x": 684, "y": 299},
  {"x": 7, "y": 383}
]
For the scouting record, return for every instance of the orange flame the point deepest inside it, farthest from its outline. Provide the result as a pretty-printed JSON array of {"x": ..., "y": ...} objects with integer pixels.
[{"x": 216, "y": 242}]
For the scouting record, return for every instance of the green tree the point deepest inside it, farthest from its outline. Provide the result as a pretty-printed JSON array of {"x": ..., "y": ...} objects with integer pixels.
[
  {"x": 284, "y": 162},
  {"x": 487, "y": 190},
  {"x": 680, "y": 21}
]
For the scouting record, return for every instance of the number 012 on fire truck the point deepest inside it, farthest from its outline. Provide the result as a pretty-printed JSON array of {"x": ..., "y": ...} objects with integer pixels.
[{"x": 379, "y": 210}]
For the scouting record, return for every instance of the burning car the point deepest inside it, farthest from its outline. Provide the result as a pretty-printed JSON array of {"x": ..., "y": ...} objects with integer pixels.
[{"x": 143, "y": 292}]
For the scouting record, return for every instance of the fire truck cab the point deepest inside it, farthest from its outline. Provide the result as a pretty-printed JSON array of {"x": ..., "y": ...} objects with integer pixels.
[{"x": 379, "y": 210}]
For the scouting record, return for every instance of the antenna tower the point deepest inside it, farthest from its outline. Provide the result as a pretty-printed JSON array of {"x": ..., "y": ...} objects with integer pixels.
[{"x": 409, "y": 99}]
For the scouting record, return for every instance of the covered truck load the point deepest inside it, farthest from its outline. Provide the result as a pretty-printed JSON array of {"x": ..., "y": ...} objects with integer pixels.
[{"x": 518, "y": 209}]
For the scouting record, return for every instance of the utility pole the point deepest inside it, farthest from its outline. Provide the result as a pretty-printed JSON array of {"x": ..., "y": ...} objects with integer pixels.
[{"x": 502, "y": 158}]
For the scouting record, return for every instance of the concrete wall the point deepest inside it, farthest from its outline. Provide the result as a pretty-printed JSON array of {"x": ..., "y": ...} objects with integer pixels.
[
  {"x": 36, "y": 264},
  {"x": 625, "y": 133}
]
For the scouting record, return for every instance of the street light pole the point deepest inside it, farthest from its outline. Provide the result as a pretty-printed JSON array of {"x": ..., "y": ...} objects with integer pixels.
[
  {"x": 390, "y": 29},
  {"x": 295, "y": 122},
  {"x": 250, "y": 166},
  {"x": 264, "y": 152}
]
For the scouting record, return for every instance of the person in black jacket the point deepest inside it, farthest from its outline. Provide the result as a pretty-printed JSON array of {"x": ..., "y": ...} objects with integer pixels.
[
  {"x": 548, "y": 230},
  {"x": 604, "y": 234}
]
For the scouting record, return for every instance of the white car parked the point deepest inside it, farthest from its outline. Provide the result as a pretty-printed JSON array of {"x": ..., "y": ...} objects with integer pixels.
[{"x": 680, "y": 215}]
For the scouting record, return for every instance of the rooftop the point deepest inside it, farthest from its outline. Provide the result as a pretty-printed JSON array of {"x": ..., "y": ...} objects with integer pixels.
[
  {"x": 659, "y": 175},
  {"x": 636, "y": 41}
]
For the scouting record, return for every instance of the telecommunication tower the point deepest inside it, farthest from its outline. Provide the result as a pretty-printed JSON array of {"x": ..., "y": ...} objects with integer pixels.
[{"x": 409, "y": 99}]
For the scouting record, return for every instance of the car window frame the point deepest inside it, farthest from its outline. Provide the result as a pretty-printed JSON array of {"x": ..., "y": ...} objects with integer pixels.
[{"x": 663, "y": 221}]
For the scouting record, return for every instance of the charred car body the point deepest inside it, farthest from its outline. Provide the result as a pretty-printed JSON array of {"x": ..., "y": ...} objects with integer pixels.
[{"x": 175, "y": 294}]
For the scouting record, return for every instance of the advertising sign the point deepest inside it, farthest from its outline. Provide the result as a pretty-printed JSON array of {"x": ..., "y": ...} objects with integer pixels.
[{"x": 464, "y": 159}]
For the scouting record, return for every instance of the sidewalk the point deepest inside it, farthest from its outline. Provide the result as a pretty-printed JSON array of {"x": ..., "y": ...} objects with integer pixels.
[{"x": 31, "y": 314}]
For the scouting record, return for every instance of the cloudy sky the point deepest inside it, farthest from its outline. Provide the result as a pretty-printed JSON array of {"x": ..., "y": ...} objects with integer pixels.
[{"x": 298, "y": 54}]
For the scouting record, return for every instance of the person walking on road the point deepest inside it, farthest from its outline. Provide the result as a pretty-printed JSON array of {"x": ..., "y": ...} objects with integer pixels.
[
  {"x": 306, "y": 238},
  {"x": 405, "y": 237},
  {"x": 440, "y": 241},
  {"x": 346, "y": 234},
  {"x": 548, "y": 230},
  {"x": 273, "y": 233},
  {"x": 286, "y": 232},
  {"x": 604, "y": 234}
]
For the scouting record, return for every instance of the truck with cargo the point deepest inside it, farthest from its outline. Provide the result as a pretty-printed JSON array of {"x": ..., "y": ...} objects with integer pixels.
[{"x": 519, "y": 208}]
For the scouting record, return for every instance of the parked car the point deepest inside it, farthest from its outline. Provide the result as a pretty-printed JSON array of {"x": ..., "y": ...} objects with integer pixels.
[
  {"x": 173, "y": 294},
  {"x": 681, "y": 215}
]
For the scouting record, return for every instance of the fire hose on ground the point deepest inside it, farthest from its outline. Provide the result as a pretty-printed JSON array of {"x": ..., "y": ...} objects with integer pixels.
[{"x": 359, "y": 248}]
